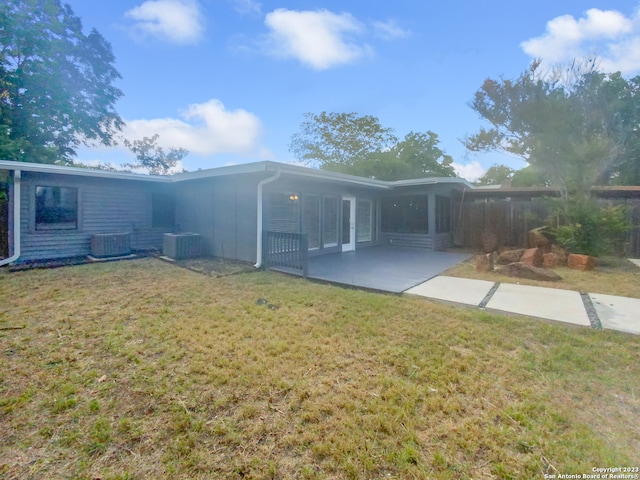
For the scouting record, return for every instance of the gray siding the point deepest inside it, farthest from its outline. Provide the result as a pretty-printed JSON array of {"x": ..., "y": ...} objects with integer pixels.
[
  {"x": 224, "y": 211},
  {"x": 104, "y": 206}
]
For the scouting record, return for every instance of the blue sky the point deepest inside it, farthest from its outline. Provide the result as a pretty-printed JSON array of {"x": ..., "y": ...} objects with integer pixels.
[{"x": 230, "y": 80}]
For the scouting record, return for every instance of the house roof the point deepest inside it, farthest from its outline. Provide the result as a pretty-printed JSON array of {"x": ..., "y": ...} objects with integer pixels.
[
  {"x": 80, "y": 172},
  {"x": 255, "y": 167}
]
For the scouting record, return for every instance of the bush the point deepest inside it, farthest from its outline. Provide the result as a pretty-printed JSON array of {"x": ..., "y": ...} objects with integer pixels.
[{"x": 592, "y": 229}]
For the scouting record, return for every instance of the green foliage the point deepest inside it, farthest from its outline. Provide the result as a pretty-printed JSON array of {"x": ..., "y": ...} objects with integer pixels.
[
  {"x": 496, "y": 175},
  {"x": 56, "y": 83},
  {"x": 530, "y": 177},
  {"x": 335, "y": 140},
  {"x": 591, "y": 229},
  {"x": 347, "y": 143},
  {"x": 577, "y": 126},
  {"x": 152, "y": 157}
]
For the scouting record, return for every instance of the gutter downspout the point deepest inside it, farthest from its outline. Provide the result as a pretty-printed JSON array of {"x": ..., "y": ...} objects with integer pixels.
[
  {"x": 16, "y": 220},
  {"x": 259, "y": 214}
]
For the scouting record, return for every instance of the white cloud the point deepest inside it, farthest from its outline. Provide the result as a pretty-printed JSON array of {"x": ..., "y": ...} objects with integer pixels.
[
  {"x": 248, "y": 7},
  {"x": 390, "y": 30},
  {"x": 469, "y": 171},
  {"x": 609, "y": 34},
  {"x": 175, "y": 21},
  {"x": 320, "y": 39},
  {"x": 205, "y": 129}
]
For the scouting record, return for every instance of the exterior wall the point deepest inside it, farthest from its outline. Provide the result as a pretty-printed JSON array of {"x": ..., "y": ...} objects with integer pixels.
[
  {"x": 432, "y": 240},
  {"x": 224, "y": 211},
  {"x": 302, "y": 187},
  {"x": 104, "y": 206}
]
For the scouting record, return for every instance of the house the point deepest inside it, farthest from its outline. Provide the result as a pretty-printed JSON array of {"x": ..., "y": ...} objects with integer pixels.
[{"x": 56, "y": 211}]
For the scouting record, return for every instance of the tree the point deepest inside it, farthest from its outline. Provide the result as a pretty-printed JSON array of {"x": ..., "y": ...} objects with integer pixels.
[
  {"x": 417, "y": 156},
  {"x": 496, "y": 175},
  {"x": 571, "y": 128},
  {"x": 576, "y": 129},
  {"x": 334, "y": 141},
  {"x": 360, "y": 145},
  {"x": 152, "y": 157},
  {"x": 56, "y": 83}
]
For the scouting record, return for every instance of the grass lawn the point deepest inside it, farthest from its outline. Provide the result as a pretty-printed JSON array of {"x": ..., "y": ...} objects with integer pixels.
[
  {"x": 144, "y": 370},
  {"x": 612, "y": 276}
]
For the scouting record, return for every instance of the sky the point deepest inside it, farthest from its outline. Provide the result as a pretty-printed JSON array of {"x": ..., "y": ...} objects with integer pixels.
[{"x": 230, "y": 80}]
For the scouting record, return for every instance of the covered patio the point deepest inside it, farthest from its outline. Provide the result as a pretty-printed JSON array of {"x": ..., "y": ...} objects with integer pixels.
[{"x": 386, "y": 268}]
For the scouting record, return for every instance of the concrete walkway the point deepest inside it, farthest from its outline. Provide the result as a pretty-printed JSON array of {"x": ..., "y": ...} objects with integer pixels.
[{"x": 597, "y": 310}]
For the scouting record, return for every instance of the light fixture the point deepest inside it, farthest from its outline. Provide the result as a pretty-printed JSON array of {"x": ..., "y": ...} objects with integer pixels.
[{"x": 293, "y": 197}]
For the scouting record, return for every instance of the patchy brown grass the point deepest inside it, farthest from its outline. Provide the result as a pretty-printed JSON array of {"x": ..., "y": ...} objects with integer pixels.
[
  {"x": 140, "y": 369},
  {"x": 612, "y": 276}
]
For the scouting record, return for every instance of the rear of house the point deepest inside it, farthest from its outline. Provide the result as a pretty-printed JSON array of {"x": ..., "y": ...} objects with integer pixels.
[{"x": 60, "y": 209}]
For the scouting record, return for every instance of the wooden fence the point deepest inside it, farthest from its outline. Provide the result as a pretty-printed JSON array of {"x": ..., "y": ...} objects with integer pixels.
[
  {"x": 286, "y": 251},
  {"x": 511, "y": 220}
]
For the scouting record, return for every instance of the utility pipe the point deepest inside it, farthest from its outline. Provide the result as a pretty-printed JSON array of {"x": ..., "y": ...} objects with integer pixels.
[
  {"x": 16, "y": 220},
  {"x": 260, "y": 223}
]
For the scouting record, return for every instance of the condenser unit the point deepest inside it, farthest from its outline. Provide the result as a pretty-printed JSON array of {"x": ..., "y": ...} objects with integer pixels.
[
  {"x": 110, "y": 245},
  {"x": 179, "y": 246}
]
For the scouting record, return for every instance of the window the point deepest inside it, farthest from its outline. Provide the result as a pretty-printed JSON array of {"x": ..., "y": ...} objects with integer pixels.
[
  {"x": 311, "y": 219},
  {"x": 163, "y": 212},
  {"x": 443, "y": 214},
  {"x": 56, "y": 208},
  {"x": 407, "y": 214},
  {"x": 284, "y": 212},
  {"x": 330, "y": 222},
  {"x": 363, "y": 221}
]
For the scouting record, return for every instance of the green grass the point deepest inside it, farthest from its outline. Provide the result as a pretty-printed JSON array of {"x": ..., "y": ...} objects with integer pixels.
[{"x": 140, "y": 369}]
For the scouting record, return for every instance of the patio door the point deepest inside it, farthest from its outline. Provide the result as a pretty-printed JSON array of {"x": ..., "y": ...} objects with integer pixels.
[{"x": 348, "y": 224}]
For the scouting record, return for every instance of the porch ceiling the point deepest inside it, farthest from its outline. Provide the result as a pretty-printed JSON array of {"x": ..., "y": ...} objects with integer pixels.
[{"x": 384, "y": 268}]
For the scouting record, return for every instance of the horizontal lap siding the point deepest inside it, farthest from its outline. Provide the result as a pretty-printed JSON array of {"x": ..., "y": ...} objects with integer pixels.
[
  {"x": 104, "y": 206},
  {"x": 407, "y": 239}
]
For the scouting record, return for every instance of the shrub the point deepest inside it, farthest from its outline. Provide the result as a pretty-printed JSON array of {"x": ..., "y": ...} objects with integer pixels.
[{"x": 593, "y": 229}]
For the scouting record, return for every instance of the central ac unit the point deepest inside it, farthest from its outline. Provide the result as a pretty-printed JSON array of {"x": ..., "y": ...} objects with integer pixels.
[{"x": 110, "y": 244}]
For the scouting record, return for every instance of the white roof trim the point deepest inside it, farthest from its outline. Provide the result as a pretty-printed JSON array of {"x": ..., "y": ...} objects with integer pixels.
[
  {"x": 80, "y": 172},
  {"x": 244, "y": 168}
]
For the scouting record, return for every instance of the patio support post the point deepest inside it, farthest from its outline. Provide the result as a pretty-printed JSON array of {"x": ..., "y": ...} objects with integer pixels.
[{"x": 431, "y": 217}]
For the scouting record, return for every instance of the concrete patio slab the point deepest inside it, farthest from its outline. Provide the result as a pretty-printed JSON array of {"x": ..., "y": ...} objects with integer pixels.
[
  {"x": 549, "y": 303},
  {"x": 452, "y": 289},
  {"x": 617, "y": 313},
  {"x": 384, "y": 268}
]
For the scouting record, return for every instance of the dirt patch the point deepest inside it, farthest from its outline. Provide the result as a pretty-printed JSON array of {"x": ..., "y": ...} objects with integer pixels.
[{"x": 215, "y": 266}]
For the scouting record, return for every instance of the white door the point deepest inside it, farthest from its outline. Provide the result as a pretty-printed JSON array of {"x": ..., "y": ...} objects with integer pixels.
[{"x": 348, "y": 224}]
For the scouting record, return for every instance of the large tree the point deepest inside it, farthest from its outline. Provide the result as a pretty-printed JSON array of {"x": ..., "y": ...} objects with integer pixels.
[
  {"x": 56, "y": 83},
  {"x": 152, "y": 157},
  {"x": 416, "y": 156},
  {"x": 576, "y": 128},
  {"x": 334, "y": 141},
  {"x": 360, "y": 145}
]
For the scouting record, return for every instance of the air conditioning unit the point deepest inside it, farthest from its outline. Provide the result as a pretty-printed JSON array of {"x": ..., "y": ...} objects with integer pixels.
[
  {"x": 179, "y": 246},
  {"x": 110, "y": 244}
]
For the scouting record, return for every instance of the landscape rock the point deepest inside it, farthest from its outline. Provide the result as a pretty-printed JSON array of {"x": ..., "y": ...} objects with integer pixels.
[
  {"x": 489, "y": 241},
  {"x": 521, "y": 270},
  {"x": 550, "y": 260},
  {"x": 510, "y": 256},
  {"x": 581, "y": 262},
  {"x": 484, "y": 263},
  {"x": 532, "y": 257},
  {"x": 561, "y": 253},
  {"x": 537, "y": 239}
]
